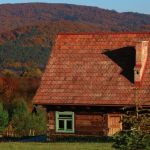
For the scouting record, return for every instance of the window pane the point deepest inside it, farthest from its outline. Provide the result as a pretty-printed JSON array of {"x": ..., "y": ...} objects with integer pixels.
[
  {"x": 61, "y": 124},
  {"x": 64, "y": 122},
  {"x": 69, "y": 124}
]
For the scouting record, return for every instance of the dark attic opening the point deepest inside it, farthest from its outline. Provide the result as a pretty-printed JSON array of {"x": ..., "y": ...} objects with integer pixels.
[{"x": 125, "y": 58}]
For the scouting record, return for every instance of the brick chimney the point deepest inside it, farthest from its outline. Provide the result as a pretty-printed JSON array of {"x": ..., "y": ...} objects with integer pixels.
[{"x": 141, "y": 58}]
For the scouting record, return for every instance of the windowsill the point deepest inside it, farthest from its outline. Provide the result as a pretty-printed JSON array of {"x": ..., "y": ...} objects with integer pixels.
[{"x": 65, "y": 132}]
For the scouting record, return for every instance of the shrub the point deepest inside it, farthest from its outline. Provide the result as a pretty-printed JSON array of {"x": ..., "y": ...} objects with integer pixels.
[{"x": 136, "y": 132}]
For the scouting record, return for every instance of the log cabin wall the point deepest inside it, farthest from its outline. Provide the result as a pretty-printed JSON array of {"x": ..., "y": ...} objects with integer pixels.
[
  {"x": 85, "y": 124},
  {"x": 51, "y": 124},
  {"x": 88, "y": 121}
]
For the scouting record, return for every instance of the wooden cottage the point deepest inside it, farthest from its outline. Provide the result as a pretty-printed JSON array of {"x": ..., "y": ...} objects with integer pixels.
[{"x": 90, "y": 77}]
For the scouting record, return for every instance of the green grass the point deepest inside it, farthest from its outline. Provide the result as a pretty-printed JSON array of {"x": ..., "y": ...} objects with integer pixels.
[{"x": 55, "y": 146}]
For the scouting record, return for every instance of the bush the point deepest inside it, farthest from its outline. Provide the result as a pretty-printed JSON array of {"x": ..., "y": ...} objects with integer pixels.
[
  {"x": 135, "y": 135},
  {"x": 131, "y": 140}
]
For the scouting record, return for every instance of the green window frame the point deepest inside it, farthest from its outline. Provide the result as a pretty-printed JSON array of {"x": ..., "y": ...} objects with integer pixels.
[{"x": 65, "y": 122}]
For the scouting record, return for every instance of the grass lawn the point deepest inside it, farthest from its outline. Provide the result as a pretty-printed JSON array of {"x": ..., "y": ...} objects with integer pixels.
[{"x": 55, "y": 146}]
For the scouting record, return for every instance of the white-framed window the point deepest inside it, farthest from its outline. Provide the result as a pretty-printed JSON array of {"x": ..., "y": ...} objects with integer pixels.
[{"x": 65, "y": 122}]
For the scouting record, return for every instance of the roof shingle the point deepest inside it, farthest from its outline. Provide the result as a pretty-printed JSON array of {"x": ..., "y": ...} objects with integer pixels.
[{"x": 93, "y": 69}]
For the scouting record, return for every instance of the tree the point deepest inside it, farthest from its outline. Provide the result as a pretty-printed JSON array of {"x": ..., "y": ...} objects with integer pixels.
[
  {"x": 37, "y": 122},
  {"x": 9, "y": 73},
  {"x": 136, "y": 128},
  {"x": 136, "y": 132},
  {"x": 32, "y": 72},
  {"x": 20, "y": 117},
  {"x": 41, "y": 120},
  {"x": 20, "y": 107},
  {"x": 26, "y": 123},
  {"x": 4, "y": 118}
]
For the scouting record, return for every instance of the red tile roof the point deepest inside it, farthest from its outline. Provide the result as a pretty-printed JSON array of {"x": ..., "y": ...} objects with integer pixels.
[{"x": 93, "y": 69}]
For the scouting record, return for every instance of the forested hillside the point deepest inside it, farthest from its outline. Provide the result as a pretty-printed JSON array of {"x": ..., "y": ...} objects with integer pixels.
[
  {"x": 27, "y": 31},
  {"x": 20, "y": 15},
  {"x": 32, "y": 44}
]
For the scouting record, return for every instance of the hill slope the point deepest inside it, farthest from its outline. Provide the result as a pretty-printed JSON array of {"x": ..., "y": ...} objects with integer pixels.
[
  {"x": 19, "y": 15},
  {"x": 27, "y": 31},
  {"x": 33, "y": 43}
]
